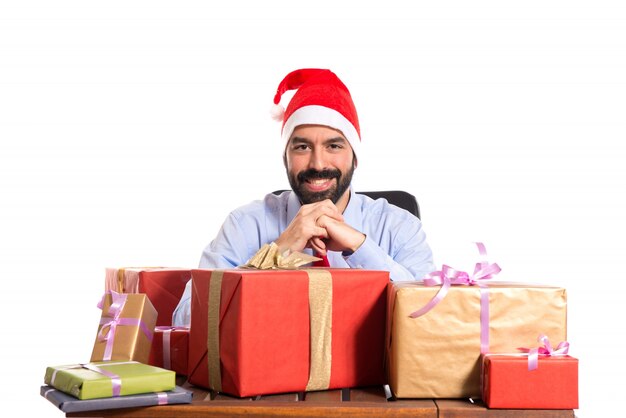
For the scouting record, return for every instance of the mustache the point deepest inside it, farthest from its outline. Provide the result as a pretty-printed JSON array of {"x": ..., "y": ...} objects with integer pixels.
[{"x": 313, "y": 174}]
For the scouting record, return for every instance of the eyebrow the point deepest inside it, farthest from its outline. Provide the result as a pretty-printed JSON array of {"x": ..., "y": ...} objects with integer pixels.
[{"x": 334, "y": 140}]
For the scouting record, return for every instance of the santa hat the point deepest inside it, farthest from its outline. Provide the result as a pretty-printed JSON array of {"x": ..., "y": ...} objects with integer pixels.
[{"x": 321, "y": 99}]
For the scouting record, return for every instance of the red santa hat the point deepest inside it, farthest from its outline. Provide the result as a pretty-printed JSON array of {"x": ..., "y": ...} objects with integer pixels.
[{"x": 321, "y": 99}]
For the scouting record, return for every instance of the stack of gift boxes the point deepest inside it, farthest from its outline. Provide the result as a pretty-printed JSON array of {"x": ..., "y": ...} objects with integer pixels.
[
  {"x": 462, "y": 335},
  {"x": 164, "y": 288},
  {"x": 136, "y": 353},
  {"x": 463, "y": 348},
  {"x": 257, "y": 332}
]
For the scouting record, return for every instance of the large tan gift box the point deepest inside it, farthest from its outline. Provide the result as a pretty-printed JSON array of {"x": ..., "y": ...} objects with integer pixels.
[{"x": 437, "y": 355}]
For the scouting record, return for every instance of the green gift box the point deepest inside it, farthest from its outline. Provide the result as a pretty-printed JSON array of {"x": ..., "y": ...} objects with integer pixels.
[{"x": 105, "y": 379}]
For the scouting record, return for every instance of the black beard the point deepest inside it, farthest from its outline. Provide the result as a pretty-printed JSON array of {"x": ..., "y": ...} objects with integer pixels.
[{"x": 334, "y": 193}]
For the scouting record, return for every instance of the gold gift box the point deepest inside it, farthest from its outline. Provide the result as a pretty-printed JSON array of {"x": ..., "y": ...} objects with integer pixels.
[
  {"x": 132, "y": 341},
  {"x": 437, "y": 355}
]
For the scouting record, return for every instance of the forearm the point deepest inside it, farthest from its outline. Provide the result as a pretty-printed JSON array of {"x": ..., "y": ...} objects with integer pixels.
[{"x": 411, "y": 263}]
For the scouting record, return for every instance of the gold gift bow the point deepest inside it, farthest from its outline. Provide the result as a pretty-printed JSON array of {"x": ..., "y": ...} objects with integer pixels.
[
  {"x": 269, "y": 257},
  {"x": 320, "y": 315}
]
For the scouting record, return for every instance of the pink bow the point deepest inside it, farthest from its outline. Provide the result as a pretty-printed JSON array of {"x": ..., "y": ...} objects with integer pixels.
[
  {"x": 546, "y": 351},
  {"x": 448, "y": 276},
  {"x": 112, "y": 320}
]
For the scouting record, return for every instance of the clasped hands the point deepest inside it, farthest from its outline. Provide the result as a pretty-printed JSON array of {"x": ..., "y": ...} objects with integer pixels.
[{"x": 321, "y": 227}]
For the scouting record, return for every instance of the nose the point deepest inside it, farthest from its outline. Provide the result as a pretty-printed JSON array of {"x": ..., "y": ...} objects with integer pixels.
[{"x": 318, "y": 159}]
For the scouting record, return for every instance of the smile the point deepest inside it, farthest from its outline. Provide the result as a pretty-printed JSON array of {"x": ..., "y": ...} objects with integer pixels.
[{"x": 317, "y": 185}]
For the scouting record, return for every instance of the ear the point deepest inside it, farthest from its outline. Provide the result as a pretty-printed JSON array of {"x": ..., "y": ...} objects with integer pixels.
[{"x": 355, "y": 160}]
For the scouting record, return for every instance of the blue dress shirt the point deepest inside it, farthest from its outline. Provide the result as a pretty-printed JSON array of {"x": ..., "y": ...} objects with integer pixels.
[{"x": 395, "y": 240}]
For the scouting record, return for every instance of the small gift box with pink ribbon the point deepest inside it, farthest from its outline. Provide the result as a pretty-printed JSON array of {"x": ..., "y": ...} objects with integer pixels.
[
  {"x": 170, "y": 348},
  {"x": 107, "y": 379},
  {"x": 438, "y": 328},
  {"x": 543, "y": 377},
  {"x": 126, "y": 328}
]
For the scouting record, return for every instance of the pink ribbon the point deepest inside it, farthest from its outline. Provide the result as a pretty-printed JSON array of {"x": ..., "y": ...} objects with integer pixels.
[
  {"x": 116, "y": 381},
  {"x": 162, "y": 398},
  {"x": 167, "y": 331},
  {"x": 545, "y": 351},
  {"x": 112, "y": 320},
  {"x": 448, "y": 276}
]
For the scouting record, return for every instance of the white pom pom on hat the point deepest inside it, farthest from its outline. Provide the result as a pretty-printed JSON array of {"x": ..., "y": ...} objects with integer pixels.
[
  {"x": 277, "y": 112},
  {"x": 321, "y": 99}
]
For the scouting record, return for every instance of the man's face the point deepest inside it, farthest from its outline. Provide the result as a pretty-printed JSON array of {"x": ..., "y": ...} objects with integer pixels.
[{"x": 319, "y": 162}]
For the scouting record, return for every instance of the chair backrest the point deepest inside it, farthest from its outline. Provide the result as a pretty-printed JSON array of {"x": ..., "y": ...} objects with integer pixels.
[{"x": 399, "y": 198}]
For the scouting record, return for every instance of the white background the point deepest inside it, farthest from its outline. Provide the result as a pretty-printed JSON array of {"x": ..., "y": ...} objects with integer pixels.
[{"x": 128, "y": 131}]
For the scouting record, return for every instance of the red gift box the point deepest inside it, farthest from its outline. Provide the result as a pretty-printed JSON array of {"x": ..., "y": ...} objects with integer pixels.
[
  {"x": 164, "y": 286},
  {"x": 263, "y": 329},
  {"x": 508, "y": 383},
  {"x": 170, "y": 349}
]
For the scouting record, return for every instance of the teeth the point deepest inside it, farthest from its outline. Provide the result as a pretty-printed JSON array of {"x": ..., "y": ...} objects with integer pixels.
[{"x": 319, "y": 181}]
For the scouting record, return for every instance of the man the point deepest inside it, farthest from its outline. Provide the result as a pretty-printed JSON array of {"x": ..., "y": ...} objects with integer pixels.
[{"x": 322, "y": 213}]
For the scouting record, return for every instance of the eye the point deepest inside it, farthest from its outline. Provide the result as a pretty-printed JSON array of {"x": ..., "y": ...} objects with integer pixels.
[
  {"x": 336, "y": 146},
  {"x": 300, "y": 147}
]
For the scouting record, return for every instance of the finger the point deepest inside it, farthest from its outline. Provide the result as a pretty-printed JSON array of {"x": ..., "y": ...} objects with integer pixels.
[
  {"x": 318, "y": 242},
  {"x": 331, "y": 212},
  {"x": 319, "y": 232},
  {"x": 325, "y": 207},
  {"x": 318, "y": 249},
  {"x": 325, "y": 221}
]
